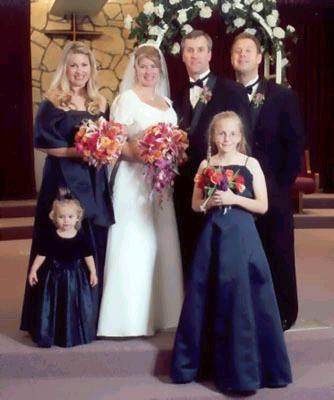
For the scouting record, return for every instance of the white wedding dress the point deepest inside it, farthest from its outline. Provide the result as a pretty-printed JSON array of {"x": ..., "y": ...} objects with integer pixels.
[{"x": 143, "y": 288}]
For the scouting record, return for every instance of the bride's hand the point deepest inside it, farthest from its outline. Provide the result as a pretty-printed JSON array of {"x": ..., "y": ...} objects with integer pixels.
[{"x": 130, "y": 151}]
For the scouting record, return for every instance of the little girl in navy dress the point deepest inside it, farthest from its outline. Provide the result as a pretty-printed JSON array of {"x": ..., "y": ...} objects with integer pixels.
[
  {"x": 63, "y": 274},
  {"x": 230, "y": 329}
]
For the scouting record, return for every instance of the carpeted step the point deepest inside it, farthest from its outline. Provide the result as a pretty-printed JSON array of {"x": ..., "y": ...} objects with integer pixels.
[
  {"x": 311, "y": 355},
  {"x": 16, "y": 228},
  {"x": 319, "y": 218},
  {"x": 130, "y": 357},
  {"x": 318, "y": 200},
  {"x": 17, "y": 208}
]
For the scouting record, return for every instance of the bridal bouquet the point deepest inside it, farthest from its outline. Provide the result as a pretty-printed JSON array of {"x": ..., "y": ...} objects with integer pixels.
[
  {"x": 163, "y": 148},
  {"x": 215, "y": 178},
  {"x": 100, "y": 142}
]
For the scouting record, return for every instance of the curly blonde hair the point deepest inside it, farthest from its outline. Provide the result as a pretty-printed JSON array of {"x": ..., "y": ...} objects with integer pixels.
[
  {"x": 65, "y": 198},
  {"x": 60, "y": 93}
]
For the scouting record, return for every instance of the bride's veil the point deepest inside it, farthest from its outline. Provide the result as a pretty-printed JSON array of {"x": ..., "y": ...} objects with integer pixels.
[{"x": 129, "y": 77}]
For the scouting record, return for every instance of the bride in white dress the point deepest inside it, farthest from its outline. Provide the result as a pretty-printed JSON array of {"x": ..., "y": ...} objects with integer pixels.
[{"x": 143, "y": 288}]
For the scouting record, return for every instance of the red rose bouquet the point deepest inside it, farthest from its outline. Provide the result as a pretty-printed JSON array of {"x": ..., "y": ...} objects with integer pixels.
[
  {"x": 100, "y": 142},
  {"x": 215, "y": 178},
  {"x": 163, "y": 148}
]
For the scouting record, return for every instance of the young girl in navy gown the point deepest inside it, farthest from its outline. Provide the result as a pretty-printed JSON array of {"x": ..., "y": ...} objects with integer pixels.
[
  {"x": 62, "y": 295},
  {"x": 230, "y": 329}
]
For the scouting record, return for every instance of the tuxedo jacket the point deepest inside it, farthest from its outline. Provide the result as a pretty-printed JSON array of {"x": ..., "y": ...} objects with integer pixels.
[
  {"x": 227, "y": 95},
  {"x": 276, "y": 133}
]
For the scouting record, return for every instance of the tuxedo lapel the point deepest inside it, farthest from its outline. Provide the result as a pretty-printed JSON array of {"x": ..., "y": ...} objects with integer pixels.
[
  {"x": 186, "y": 110},
  {"x": 255, "y": 109},
  {"x": 200, "y": 106}
]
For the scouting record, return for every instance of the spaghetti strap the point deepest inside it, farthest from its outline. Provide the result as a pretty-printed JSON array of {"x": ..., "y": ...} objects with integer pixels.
[{"x": 246, "y": 161}]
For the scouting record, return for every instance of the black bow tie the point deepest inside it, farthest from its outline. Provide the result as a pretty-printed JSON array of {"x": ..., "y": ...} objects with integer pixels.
[
  {"x": 199, "y": 82},
  {"x": 249, "y": 88}
]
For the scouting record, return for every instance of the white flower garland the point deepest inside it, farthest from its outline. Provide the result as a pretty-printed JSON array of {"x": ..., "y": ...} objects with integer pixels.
[{"x": 165, "y": 21}]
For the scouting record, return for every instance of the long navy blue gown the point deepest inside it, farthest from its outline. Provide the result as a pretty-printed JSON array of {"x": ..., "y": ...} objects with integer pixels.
[
  {"x": 230, "y": 329},
  {"x": 63, "y": 299},
  {"x": 55, "y": 128}
]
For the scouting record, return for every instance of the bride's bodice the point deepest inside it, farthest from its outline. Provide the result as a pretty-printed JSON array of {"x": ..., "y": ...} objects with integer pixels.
[{"x": 129, "y": 110}]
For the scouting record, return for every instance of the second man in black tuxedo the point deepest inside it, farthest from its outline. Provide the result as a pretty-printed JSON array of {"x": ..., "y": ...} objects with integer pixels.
[
  {"x": 276, "y": 141},
  {"x": 202, "y": 97}
]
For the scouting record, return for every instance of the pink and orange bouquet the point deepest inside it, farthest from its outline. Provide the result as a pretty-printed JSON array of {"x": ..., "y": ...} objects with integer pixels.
[
  {"x": 215, "y": 178},
  {"x": 163, "y": 149},
  {"x": 100, "y": 142}
]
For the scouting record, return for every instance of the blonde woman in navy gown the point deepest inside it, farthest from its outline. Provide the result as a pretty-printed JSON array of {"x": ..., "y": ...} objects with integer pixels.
[
  {"x": 230, "y": 328},
  {"x": 73, "y": 96}
]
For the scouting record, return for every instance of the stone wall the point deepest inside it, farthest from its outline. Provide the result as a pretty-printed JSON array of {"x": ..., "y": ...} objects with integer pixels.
[{"x": 111, "y": 49}]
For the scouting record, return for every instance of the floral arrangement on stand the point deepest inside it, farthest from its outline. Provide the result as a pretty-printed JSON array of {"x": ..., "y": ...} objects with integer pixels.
[
  {"x": 215, "y": 178},
  {"x": 163, "y": 149},
  {"x": 166, "y": 21},
  {"x": 100, "y": 142}
]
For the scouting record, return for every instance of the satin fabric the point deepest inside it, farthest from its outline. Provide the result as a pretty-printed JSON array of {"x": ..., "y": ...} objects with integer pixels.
[{"x": 230, "y": 329}]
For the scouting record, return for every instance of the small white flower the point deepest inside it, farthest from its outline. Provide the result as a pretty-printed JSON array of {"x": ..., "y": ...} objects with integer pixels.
[
  {"x": 285, "y": 62},
  {"x": 226, "y": 7},
  {"x": 154, "y": 30},
  {"x": 279, "y": 33},
  {"x": 248, "y": 2},
  {"x": 182, "y": 16},
  {"x": 159, "y": 10},
  {"x": 172, "y": 2},
  {"x": 250, "y": 31},
  {"x": 257, "y": 7},
  {"x": 290, "y": 28},
  {"x": 187, "y": 28},
  {"x": 176, "y": 48},
  {"x": 205, "y": 12},
  {"x": 271, "y": 20},
  {"x": 148, "y": 8},
  {"x": 214, "y": 2},
  {"x": 128, "y": 22},
  {"x": 275, "y": 13},
  {"x": 199, "y": 4},
  {"x": 239, "y": 22}
]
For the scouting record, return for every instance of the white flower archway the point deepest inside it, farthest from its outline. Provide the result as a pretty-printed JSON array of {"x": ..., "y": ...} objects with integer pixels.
[{"x": 165, "y": 21}]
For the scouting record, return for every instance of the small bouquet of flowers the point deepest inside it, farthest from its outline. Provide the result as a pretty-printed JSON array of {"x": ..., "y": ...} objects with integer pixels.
[
  {"x": 163, "y": 148},
  {"x": 215, "y": 178},
  {"x": 100, "y": 142}
]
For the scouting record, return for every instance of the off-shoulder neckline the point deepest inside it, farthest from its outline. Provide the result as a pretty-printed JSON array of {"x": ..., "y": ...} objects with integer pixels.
[{"x": 76, "y": 111}]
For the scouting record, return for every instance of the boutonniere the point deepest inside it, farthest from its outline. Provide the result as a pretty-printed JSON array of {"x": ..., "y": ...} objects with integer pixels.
[
  {"x": 257, "y": 100},
  {"x": 206, "y": 95}
]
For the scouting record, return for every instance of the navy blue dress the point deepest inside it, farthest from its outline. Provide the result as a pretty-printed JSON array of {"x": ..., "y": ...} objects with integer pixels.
[
  {"x": 230, "y": 328},
  {"x": 55, "y": 128},
  {"x": 63, "y": 298}
]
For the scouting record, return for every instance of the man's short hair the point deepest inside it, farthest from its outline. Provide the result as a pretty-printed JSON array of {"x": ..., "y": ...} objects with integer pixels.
[
  {"x": 246, "y": 35},
  {"x": 194, "y": 35}
]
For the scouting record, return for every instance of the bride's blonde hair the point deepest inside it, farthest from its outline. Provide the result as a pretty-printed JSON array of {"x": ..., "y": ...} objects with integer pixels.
[
  {"x": 242, "y": 145},
  {"x": 60, "y": 93}
]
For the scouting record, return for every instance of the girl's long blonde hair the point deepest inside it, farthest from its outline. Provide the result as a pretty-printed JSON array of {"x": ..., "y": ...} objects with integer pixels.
[
  {"x": 60, "y": 93},
  {"x": 242, "y": 145}
]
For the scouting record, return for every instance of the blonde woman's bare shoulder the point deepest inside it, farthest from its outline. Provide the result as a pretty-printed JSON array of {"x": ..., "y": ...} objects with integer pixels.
[{"x": 103, "y": 102}]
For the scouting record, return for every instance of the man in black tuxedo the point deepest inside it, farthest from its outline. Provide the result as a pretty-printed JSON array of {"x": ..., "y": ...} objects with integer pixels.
[
  {"x": 202, "y": 97},
  {"x": 276, "y": 140}
]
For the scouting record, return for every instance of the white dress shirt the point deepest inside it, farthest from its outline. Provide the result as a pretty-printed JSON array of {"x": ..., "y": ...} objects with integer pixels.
[
  {"x": 254, "y": 88},
  {"x": 196, "y": 91}
]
